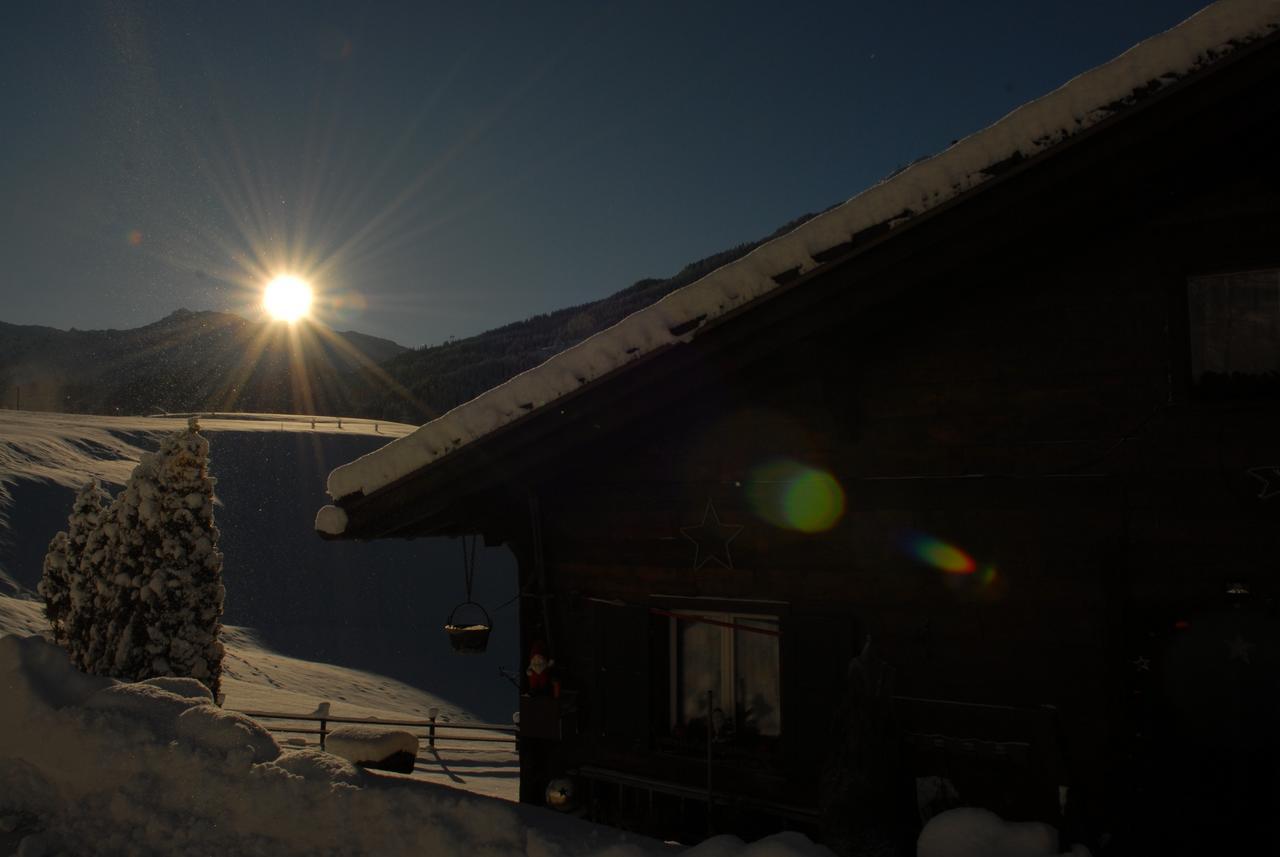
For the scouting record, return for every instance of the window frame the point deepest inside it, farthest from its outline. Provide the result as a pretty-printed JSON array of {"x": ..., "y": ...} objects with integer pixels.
[
  {"x": 722, "y": 617},
  {"x": 1187, "y": 354}
]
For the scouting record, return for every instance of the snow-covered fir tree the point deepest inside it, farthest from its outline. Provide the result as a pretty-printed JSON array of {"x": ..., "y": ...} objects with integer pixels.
[
  {"x": 132, "y": 555},
  {"x": 92, "y": 592},
  {"x": 55, "y": 586},
  {"x": 184, "y": 605},
  {"x": 157, "y": 572},
  {"x": 62, "y": 584}
]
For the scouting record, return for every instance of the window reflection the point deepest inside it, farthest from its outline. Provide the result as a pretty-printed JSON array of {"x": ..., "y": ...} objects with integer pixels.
[{"x": 725, "y": 675}]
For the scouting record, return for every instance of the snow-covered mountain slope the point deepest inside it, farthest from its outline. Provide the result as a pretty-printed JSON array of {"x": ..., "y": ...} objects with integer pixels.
[{"x": 376, "y": 608}]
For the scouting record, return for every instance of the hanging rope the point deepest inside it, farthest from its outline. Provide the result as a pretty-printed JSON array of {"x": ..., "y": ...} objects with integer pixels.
[
  {"x": 523, "y": 593},
  {"x": 471, "y": 638},
  {"x": 469, "y": 562}
]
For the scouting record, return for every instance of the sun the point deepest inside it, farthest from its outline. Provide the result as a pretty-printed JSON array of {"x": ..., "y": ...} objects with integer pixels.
[{"x": 287, "y": 298}]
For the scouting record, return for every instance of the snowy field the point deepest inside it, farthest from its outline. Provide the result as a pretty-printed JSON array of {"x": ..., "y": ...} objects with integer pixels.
[
  {"x": 44, "y": 457},
  {"x": 257, "y": 679},
  {"x": 376, "y": 607}
]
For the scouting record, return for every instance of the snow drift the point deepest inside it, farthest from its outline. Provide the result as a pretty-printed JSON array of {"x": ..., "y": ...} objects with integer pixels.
[
  {"x": 974, "y": 832},
  {"x": 91, "y": 765}
]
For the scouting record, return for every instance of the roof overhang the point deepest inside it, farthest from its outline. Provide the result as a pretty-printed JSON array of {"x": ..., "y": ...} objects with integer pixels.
[{"x": 455, "y": 490}]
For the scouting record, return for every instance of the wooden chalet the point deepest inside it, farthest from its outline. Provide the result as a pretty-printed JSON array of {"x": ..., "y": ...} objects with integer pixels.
[{"x": 978, "y": 504}]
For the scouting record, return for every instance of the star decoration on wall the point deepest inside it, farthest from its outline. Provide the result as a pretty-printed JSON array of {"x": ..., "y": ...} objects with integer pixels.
[
  {"x": 1270, "y": 479},
  {"x": 712, "y": 538},
  {"x": 1141, "y": 663},
  {"x": 1240, "y": 648}
]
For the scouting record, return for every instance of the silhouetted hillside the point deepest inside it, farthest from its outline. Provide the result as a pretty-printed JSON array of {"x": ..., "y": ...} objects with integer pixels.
[
  {"x": 211, "y": 361},
  {"x": 188, "y": 361},
  {"x": 433, "y": 379}
]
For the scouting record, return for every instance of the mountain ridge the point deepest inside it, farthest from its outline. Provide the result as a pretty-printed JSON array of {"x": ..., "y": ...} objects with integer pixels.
[
  {"x": 435, "y": 378},
  {"x": 206, "y": 360},
  {"x": 188, "y": 360}
]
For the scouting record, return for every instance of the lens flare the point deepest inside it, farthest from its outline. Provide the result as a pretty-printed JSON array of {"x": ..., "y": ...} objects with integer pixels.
[
  {"x": 795, "y": 496},
  {"x": 939, "y": 554},
  {"x": 346, "y": 306}
]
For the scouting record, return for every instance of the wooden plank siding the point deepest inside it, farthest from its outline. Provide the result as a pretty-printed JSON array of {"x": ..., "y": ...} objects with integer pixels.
[
  {"x": 1039, "y": 417},
  {"x": 1010, "y": 375}
]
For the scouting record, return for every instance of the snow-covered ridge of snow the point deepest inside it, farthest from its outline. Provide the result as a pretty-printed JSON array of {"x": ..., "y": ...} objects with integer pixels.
[
  {"x": 68, "y": 449},
  {"x": 370, "y": 743},
  {"x": 1081, "y": 103}
]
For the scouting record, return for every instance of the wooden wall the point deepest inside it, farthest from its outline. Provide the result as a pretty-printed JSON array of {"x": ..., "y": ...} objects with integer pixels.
[{"x": 1032, "y": 407}]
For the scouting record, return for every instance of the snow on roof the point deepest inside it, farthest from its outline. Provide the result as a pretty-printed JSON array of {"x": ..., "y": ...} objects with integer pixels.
[{"x": 1081, "y": 103}]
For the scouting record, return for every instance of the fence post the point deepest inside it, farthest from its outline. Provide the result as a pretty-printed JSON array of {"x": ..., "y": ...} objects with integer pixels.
[
  {"x": 710, "y": 740},
  {"x": 431, "y": 729},
  {"x": 322, "y": 710}
]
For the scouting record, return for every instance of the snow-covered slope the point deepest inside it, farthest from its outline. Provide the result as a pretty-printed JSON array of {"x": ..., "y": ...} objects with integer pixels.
[
  {"x": 258, "y": 679},
  {"x": 377, "y": 608}
]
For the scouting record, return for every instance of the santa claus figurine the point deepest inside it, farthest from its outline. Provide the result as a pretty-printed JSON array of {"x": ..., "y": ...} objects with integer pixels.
[{"x": 539, "y": 670}]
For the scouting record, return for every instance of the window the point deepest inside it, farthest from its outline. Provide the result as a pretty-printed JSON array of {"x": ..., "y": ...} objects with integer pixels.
[
  {"x": 1235, "y": 333},
  {"x": 725, "y": 672}
]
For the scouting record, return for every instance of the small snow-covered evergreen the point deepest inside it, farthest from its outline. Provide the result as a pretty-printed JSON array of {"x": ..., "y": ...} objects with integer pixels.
[
  {"x": 55, "y": 586},
  {"x": 92, "y": 592},
  {"x": 86, "y": 516},
  {"x": 61, "y": 583},
  {"x": 183, "y": 597},
  {"x": 133, "y": 555},
  {"x": 153, "y": 573}
]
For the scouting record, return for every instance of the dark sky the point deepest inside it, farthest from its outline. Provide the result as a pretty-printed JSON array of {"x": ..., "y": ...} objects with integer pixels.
[{"x": 442, "y": 168}]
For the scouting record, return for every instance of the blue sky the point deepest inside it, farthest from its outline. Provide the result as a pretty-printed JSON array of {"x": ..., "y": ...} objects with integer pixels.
[{"x": 443, "y": 168}]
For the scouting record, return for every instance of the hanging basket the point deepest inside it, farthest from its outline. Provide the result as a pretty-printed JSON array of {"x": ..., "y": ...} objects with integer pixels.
[{"x": 468, "y": 639}]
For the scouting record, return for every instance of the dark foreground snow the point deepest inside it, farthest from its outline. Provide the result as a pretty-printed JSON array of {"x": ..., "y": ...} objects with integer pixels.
[{"x": 90, "y": 766}]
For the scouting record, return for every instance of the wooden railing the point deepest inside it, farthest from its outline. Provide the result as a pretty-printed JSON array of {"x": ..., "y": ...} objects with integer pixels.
[{"x": 436, "y": 729}]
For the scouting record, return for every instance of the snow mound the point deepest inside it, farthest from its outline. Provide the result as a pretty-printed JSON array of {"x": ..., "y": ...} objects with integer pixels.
[
  {"x": 226, "y": 732},
  {"x": 972, "y": 832},
  {"x": 319, "y": 765},
  {"x": 144, "y": 705},
  {"x": 181, "y": 686},
  {"x": 106, "y": 768},
  {"x": 788, "y": 844},
  {"x": 369, "y": 744}
]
